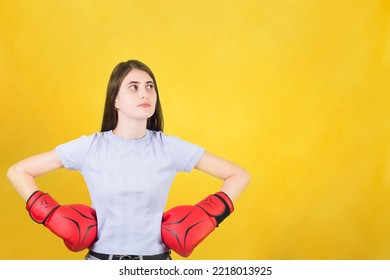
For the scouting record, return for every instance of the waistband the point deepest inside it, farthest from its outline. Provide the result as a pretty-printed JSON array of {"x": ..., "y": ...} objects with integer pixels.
[{"x": 163, "y": 256}]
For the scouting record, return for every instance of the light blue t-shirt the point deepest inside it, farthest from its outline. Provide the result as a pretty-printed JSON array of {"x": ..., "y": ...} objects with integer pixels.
[{"x": 129, "y": 182}]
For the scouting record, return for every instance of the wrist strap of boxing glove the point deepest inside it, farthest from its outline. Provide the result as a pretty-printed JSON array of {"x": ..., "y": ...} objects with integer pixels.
[
  {"x": 218, "y": 205},
  {"x": 40, "y": 205}
]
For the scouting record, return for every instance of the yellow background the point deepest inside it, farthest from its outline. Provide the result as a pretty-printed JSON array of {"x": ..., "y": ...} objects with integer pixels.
[{"x": 297, "y": 92}]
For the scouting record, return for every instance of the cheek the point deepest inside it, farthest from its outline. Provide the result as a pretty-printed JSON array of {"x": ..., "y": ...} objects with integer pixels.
[
  {"x": 154, "y": 98},
  {"x": 119, "y": 97}
]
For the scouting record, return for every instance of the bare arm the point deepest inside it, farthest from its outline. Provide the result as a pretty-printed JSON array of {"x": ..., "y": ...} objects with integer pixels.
[
  {"x": 235, "y": 178},
  {"x": 22, "y": 174}
]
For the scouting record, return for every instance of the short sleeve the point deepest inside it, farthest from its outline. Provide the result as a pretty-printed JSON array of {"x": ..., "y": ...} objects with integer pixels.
[
  {"x": 72, "y": 153},
  {"x": 185, "y": 154}
]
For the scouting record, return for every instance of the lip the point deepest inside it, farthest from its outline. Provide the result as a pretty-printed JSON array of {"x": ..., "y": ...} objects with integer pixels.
[{"x": 144, "y": 105}]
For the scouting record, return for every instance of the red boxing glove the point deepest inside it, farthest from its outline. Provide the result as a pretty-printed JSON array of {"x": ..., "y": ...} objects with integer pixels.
[
  {"x": 184, "y": 227},
  {"x": 76, "y": 224}
]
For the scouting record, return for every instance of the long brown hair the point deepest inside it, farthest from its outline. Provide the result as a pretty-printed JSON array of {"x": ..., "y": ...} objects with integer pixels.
[{"x": 110, "y": 115}]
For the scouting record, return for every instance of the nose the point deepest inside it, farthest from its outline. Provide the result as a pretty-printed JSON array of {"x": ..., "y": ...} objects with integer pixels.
[{"x": 142, "y": 93}]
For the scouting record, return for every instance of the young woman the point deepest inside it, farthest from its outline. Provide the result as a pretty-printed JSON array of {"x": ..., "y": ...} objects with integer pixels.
[{"x": 129, "y": 167}]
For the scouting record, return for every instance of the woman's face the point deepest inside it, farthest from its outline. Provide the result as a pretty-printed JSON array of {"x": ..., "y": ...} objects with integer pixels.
[{"x": 137, "y": 96}]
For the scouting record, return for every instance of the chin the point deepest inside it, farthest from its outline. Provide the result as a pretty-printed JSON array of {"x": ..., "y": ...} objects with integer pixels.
[{"x": 143, "y": 116}]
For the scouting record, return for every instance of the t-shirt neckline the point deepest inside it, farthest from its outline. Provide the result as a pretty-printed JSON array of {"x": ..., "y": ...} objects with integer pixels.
[{"x": 124, "y": 141}]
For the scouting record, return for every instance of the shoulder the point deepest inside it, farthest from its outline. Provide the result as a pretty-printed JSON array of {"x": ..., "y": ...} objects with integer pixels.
[
  {"x": 164, "y": 138},
  {"x": 73, "y": 152},
  {"x": 96, "y": 136},
  {"x": 83, "y": 140},
  {"x": 175, "y": 143}
]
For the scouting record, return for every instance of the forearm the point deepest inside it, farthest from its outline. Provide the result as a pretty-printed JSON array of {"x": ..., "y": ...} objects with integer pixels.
[
  {"x": 235, "y": 184},
  {"x": 23, "y": 182},
  {"x": 235, "y": 178},
  {"x": 22, "y": 174}
]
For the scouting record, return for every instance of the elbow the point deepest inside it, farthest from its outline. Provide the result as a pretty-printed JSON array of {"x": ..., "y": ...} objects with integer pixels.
[
  {"x": 240, "y": 176},
  {"x": 14, "y": 172},
  {"x": 246, "y": 177},
  {"x": 237, "y": 183},
  {"x": 11, "y": 173}
]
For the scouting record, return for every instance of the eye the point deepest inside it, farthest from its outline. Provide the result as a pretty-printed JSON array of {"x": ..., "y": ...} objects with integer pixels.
[
  {"x": 150, "y": 86},
  {"x": 133, "y": 87}
]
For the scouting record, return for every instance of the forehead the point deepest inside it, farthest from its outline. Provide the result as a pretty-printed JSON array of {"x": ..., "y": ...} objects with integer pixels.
[{"x": 136, "y": 75}]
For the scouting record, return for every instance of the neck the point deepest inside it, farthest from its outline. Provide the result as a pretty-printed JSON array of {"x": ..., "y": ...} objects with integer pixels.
[{"x": 130, "y": 130}]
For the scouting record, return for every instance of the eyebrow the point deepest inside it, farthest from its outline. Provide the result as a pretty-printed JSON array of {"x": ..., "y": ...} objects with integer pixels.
[{"x": 137, "y": 82}]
